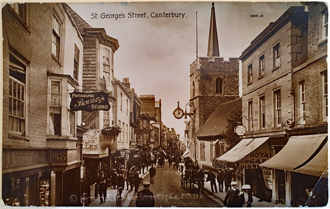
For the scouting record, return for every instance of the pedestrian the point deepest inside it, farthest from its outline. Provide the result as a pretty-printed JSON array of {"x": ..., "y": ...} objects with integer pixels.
[
  {"x": 220, "y": 178},
  {"x": 130, "y": 177},
  {"x": 232, "y": 198},
  {"x": 200, "y": 180},
  {"x": 145, "y": 198},
  {"x": 143, "y": 166},
  {"x": 120, "y": 183},
  {"x": 227, "y": 177},
  {"x": 114, "y": 178},
  {"x": 211, "y": 178},
  {"x": 152, "y": 173},
  {"x": 169, "y": 161},
  {"x": 124, "y": 172},
  {"x": 136, "y": 180},
  {"x": 247, "y": 201},
  {"x": 102, "y": 188}
]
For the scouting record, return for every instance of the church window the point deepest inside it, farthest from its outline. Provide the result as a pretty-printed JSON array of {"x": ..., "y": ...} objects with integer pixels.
[{"x": 219, "y": 87}]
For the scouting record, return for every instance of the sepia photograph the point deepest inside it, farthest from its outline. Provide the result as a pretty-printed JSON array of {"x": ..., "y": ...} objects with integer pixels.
[{"x": 164, "y": 104}]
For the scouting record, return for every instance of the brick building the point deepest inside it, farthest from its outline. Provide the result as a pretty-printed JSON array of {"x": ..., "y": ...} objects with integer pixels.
[
  {"x": 101, "y": 152},
  {"x": 42, "y": 64},
  {"x": 213, "y": 81},
  {"x": 280, "y": 69}
]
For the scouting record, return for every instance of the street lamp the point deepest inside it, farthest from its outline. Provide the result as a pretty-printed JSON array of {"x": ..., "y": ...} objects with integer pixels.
[{"x": 179, "y": 113}]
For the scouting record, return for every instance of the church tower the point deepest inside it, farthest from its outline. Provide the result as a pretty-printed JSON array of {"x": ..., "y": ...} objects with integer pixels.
[{"x": 213, "y": 80}]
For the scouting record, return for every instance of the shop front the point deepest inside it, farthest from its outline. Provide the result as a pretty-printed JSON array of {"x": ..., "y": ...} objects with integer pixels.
[
  {"x": 245, "y": 159},
  {"x": 25, "y": 177},
  {"x": 301, "y": 165},
  {"x": 96, "y": 146}
]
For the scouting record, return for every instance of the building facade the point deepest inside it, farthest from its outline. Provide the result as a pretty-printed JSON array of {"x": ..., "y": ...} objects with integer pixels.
[
  {"x": 213, "y": 81},
  {"x": 279, "y": 72},
  {"x": 98, "y": 76},
  {"x": 42, "y": 66}
]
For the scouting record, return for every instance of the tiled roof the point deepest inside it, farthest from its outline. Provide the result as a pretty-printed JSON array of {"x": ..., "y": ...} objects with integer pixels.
[
  {"x": 80, "y": 22},
  {"x": 216, "y": 124}
]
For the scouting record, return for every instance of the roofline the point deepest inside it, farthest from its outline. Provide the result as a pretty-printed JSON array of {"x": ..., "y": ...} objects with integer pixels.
[
  {"x": 122, "y": 87},
  {"x": 64, "y": 5},
  {"x": 271, "y": 29},
  {"x": 104, "y": 36}
]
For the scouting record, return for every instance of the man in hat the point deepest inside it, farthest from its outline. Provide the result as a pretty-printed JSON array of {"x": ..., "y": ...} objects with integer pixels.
[
  {"x": 102, "y": 188},
  {"x": 211, "y": 178},
  {"x": 232, "y": 197},
  {"x": 136, "y": 180},
  {"x": 227, "y": 178},
  {"x": 220, "y": 178},
  {"x": 145, "y": 198},
  {"x": 152, "y": 172}
]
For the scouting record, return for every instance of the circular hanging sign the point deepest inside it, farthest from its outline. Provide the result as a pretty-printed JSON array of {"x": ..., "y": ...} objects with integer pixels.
[{"x": 240, "y": 130}]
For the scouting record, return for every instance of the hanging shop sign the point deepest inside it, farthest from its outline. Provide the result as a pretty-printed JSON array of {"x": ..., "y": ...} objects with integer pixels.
[
  {"x": 89, "y": 101},
  {"x": 240, "y": 130}
]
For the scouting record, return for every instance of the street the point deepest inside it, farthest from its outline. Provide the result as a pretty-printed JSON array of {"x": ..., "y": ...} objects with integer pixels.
[{"x": 168, "y": 192}]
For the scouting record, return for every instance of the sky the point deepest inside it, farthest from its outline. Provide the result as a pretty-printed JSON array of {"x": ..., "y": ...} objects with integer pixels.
[{"x": 156, "y": 53}]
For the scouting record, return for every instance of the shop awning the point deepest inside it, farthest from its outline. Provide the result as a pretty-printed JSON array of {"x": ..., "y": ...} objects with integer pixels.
[
  {"x": 186, "y": 153},
  {"x": 318, "y": 165},
  {"x": 303, "y": 154},
  {"x": 242, "y": 149}
]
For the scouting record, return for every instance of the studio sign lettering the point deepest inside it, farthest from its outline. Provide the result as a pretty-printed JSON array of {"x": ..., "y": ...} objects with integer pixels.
[{"x": 89, "y": 101}]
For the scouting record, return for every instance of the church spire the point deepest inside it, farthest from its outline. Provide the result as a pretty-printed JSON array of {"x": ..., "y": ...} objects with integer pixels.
[{"x": 213, "y": 46}]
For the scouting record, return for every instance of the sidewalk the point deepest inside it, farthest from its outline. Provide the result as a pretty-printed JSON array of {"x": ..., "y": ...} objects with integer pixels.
[
  {"x": 111, "y": 195},
  {"x": 222, "y": 195}
]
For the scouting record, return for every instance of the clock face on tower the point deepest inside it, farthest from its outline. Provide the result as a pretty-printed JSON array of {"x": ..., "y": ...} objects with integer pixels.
[{"x": 178, "y": 113}]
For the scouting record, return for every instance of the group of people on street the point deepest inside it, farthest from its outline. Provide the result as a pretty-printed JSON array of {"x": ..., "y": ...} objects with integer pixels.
[
  {"x": 119, "y": 178},
  {"x": 236, "y": 198}
]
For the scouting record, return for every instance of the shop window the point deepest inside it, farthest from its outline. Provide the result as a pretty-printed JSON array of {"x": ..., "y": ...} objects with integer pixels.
[
  {"x": 202, "y": 151},
  {"x": 324, "y": 24},
  {"x": 20, "y": 10},
  {"x": 17, "y": 96},
  {"x": 56, "y": 38},
  {"x": 277, "y": 107},
  {"x": 55, "y": 107},
  {"x": 250, "y": 76},
  {"x": 250, "y": 115},
  {"x": 219, "y": 89},
  {"x": 302, "y": 102},
  {"x": 276, "y": 56},
  {"x": 261, "y": 66},
  {"x": 76, "y": 63},
  {"x": 262, "y": 112}
]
